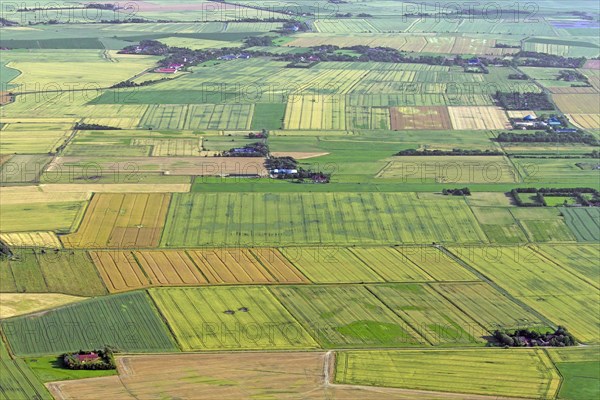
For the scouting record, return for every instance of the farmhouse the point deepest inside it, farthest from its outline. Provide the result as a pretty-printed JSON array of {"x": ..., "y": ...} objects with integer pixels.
[
  {"x": 166, "y": 70},
  {"x": 87, "y": 358}
]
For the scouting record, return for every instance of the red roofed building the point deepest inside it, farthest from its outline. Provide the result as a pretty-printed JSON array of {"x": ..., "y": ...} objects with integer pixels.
[{"x": 87, "y": 357}]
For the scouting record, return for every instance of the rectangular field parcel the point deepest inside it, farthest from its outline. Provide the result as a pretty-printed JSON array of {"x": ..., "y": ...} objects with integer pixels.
[
  {"x": 230, "y": 219},
  {"x": 127, "y": 322},
  {"x": 121, "y": 220},
  {"x": 233, "y": 318},
  {"x": 514, "y": 373}
]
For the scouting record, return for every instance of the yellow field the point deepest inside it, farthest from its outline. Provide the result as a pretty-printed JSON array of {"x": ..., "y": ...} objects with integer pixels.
[
  {"x": 119, "y": 270},
  {"x": 121, "y": 221},
  {"x": 315, "y": 113},
  {"x": 31, "y": 239},
  {"x": 123, "y": 123},
  {"x": 520, "y": 114},
  {"x": 478, "y": 118},
  {"x": 578, "y": 103},
  {"x": 33, "y": 194},
  {"x": 170, "y": 268},
  {"x": 94, "y": 70},
  {"x": 24, "y": 303},
  {"x": 30, "y": 142},
  {"x": 241, "y": 266},
  {"x": 115, "y": 188},
  {"x": 585, "y": 121}
]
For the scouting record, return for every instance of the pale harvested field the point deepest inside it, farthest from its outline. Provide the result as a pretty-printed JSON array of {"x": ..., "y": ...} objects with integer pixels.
[
  {"x": 229, "y": 266},
  {"x": 572, "y": 90},
  {"x": 419, "y": 118},
  {"x": 193, "y": 166},
  {"x": 585, "y": 121},
  {"x": 119, "y": 270},
  {"x": 121, "y": 221},
  {"x": 116, "y": 187},
  {"x": 24, "y": 303},
  {"x": 520, "y": 114},
  {"x": 478, "y": 118},
  {"x": 170, "y": 268},
  {"x": 298, "y": 155},
  {"x": 592, "y": 64},
  {"x": 31, "y": 239},
  {"x": 232, "y": 377},
  {"x": 33, "y": 194},
  {"x": 578, "y": 103}
]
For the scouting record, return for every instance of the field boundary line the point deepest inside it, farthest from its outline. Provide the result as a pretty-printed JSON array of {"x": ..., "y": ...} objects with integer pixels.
[
  {"x": 544, "y": 350},
  {"x": 562, "y": 267},
  {"x": 503, "y": 291},
  {"x": 412, "y": 328},
  {"x": 163, "y": 318}
]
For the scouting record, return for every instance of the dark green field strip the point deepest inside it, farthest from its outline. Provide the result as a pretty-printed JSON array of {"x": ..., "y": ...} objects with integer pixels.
[
  {"x": 68, "y": 272},
  {"x": 583, "y": 222},
  {"x": 581, "y": 380},
  {"x": 127, "y": 322},
  {"x": 17, "y": 381},
  {"x": 268, "y": 116},
  {"x": 79, "y": 43}
]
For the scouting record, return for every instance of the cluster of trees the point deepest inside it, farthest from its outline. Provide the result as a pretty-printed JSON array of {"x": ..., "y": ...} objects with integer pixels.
[
  {"x": 523, "y": 101},
  {"x": 569, "y": 75},
  {"x": 102, "y": 6},
  {"x": 128, "y": 84},
  {"x": 457, "y": 192},
  {"x": 453, "y": 152},
  {"x": 258, "y": 149},
  {"x": 252, "y": 41},
  {"x": 105, "y": 360},
  {"x": 548, "y": 137},
  {"x": 507, "y": 46},
  {"x": 6, "y": 22},
  {"x": 531, "y": 338},
  {"x": 518, "y": 77},
  {"x": 533, "y": 59},
  {"x": 301, "y": 174},
  {"x": 80, "y": 126},
  {"x": 281, "y": 163},
  {"x": 147, "y": 47},
  {"x": 540, "y": 201}
]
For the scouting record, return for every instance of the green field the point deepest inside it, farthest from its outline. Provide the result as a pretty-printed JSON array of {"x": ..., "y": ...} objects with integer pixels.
[
  {"x": 17, "y": 381},
  {"x": 127, "y": 322},
  {"x": 60, "y": 217},
  {"x": 268, "y": 116},
  {"x": 556, "y": 292},
  {"x": 65, "y": 272},
  {"x": 520, "y": 373},
  {"x": 323, "y": 218},
  {"x": 50, "y": 369},
  {"x": 330, "y": 265},
  {"x": 346, "y": 316},
  {"x": 583, "y": 222},
  {"x": 436, "y": 320},
  {"x": 197, "y": 318}
]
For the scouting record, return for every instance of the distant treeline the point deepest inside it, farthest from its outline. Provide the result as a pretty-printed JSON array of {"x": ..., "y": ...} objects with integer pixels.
[
  {"x": 548, "y": 137},
  {"x": 88, "y": 127},
  {"x": 533, "y": 59},
  {"x": 457, "y": 192}
]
